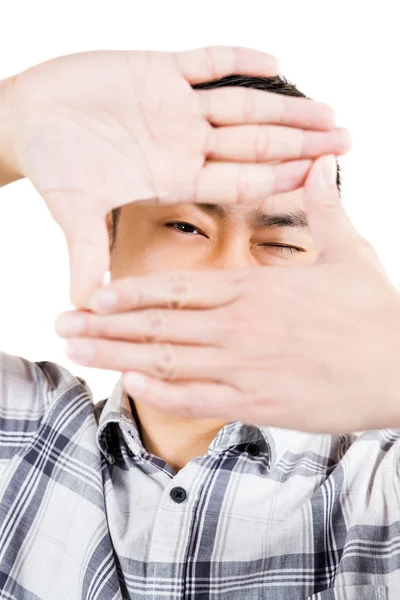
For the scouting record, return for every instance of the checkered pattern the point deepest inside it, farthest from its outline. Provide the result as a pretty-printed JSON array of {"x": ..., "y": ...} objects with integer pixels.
[{"x": 86, "y": 513}]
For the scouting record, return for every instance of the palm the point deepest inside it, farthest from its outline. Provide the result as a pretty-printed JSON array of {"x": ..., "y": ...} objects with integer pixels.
[{"x": 130, "y": 125}]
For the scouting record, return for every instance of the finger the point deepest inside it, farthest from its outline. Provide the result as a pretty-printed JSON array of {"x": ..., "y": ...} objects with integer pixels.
[
  {"x": 262, "y": 143},
  {"x": 246, "y": 106},
  {"x": 172, "y": 289},
  {"x": 333, "y": 233},
  {"x": 214, "y": 62},
  {"x": 87, "y": 240},
  {"x": 190, "y": 400},
  {"x": 89, "y": 262},
  {"x": 235, "y": 183},
  {"x": 164, "y": 361},
  {"x": 197, "y": 400},
  {"x": 152, "y": 325}
]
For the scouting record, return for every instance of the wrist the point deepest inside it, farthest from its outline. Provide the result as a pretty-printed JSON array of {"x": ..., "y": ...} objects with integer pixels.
[{"x": 9, "y": 171}]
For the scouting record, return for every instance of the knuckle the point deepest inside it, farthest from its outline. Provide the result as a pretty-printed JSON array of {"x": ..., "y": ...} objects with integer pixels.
[
  {"x": 97, "y": 353},
  {"x": 242, "y": 184},
  {"x": 96, "y": 326},
  {"x": 165, "y": 365},
  {"x": 223, "y": 332},
  {"x": 129, "y": 293},
  {"x": 331, "y": 203},
  {"x": 258, "y": 401},
  {"x": 155, "y": 325},
  {"x": 304, "y": 144},
  {"x": 249, "y": 107},
  {"x": 87, "y": 324},
  {"x": 243, "y": 323},
  {"x": 210, "y": 142},
  {"x": 179, "y": 286},
  {"x": 283, "y": 105},
  {"x": 205, "y": 102},
  {"x": 209, "y": 56},
  {"x": 263, "y": 143},
  {"x": 236, "y": 325},
  {"x": 242, "y": 280},
  {"x": 140, "y": 300},
  {"x": 235, "y": 59}
]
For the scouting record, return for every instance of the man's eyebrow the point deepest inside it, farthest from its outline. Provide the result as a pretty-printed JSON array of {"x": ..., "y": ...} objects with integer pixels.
[{"x": 259, "y": 219}]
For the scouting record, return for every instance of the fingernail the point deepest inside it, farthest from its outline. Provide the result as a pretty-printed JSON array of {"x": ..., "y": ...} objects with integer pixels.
[
  {"x": 135, "y": 382},
  {"x": 104, "y": 300},
  {"x": 329, "y": 168},
  {"x": 80, "y": 350},
  {"x": 69, "y": 324}
]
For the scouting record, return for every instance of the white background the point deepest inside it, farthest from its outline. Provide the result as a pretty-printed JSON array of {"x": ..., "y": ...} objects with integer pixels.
[{"x": 345, "y": 53}]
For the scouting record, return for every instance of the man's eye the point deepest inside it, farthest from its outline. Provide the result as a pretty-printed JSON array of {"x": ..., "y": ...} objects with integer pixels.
[
  {"x": 187, "y": 228},
  {"x": 290, "y": 249},
  {"x": 184, "y": 227}
]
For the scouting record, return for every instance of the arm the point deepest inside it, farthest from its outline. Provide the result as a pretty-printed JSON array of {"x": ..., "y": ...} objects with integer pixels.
[{"x": 8, "y": 172}]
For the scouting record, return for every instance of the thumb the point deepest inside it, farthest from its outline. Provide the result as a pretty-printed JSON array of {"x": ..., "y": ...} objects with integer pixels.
[
  {"x": 89, "y": 260},
  {"x": 333, "y": 233}
]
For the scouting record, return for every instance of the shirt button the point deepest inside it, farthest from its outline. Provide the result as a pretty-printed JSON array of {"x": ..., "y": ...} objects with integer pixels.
[
  {"x": 178, "y": 494},
  {"x": 253, "y": 449}
]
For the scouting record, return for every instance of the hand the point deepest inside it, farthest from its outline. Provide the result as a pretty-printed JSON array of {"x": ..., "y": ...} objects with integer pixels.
[
  {"x": 98, "y": 130},
  {"x": 312, "y": 348}
]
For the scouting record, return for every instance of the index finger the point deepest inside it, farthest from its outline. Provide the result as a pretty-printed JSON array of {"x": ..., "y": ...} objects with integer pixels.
[
  {"x": 174, "y": 289},
  {"x": 238, "y": 105},
  {"x": 214, "y": 62}
]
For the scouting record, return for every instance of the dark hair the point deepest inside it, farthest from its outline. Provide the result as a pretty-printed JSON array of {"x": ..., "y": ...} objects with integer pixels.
[{"x": 277, "y": 84}]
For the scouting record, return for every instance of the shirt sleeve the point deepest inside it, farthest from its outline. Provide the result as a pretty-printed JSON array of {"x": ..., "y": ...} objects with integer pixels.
[{"x": 27, "y": 392}]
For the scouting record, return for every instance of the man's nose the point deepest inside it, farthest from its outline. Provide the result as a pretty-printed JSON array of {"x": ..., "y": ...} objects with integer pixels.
[{"x": 233, "y": 258}]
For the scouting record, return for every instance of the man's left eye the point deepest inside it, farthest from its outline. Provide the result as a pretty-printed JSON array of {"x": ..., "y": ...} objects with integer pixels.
[
  {"x": 184, "y": 227},
  {"x": 282, "y": 248}
]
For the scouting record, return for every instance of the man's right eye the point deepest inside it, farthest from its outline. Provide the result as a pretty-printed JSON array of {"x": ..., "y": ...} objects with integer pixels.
[{"x": 184, "y": 227}]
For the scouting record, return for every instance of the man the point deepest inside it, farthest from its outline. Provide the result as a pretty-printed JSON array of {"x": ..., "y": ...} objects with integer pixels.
[{"x": 132, "y": 501}]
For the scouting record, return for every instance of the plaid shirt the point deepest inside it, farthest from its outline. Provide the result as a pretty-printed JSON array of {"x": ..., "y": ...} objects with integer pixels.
[{"x": 87, "y": 513}]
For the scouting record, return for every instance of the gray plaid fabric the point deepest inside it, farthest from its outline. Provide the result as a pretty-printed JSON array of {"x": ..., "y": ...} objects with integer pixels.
[{"x": 86, "y": 513}]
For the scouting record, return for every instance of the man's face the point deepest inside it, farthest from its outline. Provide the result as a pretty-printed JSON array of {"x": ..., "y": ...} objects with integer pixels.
[
  {"x": 152, "y": 239},
  {"x": 188, "y": 236}
]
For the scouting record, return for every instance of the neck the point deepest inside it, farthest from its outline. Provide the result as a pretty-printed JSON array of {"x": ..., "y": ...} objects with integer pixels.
[{"x": 175, "y": 440}]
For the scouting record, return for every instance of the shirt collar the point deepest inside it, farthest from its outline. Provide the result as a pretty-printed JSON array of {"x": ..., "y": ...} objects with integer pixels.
[{"x": 116, "y": 409}]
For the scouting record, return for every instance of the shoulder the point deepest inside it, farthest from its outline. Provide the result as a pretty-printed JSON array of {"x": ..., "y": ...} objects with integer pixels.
[
  {"x": 33, "y": 385},
  {"x": 28, "y": 391}
]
